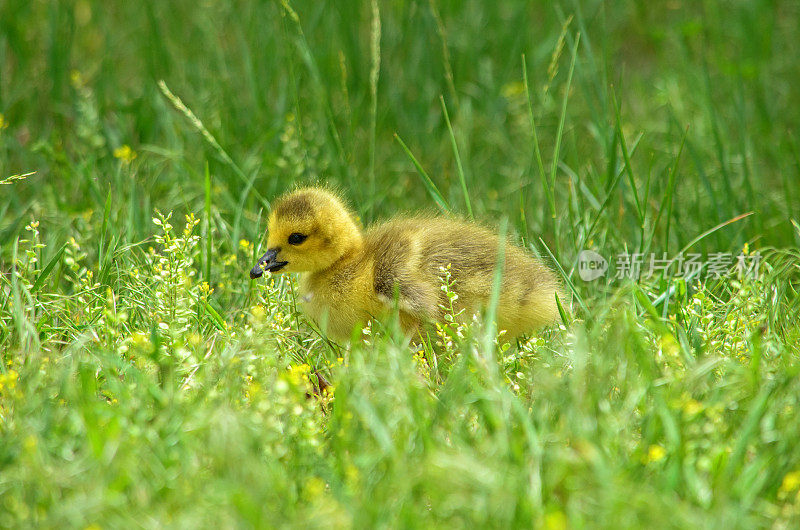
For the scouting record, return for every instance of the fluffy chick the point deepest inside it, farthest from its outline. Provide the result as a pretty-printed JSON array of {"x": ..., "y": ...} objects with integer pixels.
[{"x": 349, "y": 276}]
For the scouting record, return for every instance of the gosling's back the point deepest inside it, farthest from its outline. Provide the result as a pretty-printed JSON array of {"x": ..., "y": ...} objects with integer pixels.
[{"x": 408, "y": 255}]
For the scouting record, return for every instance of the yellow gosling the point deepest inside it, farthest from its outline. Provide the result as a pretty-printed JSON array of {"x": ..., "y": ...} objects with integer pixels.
[{"x": 348, "y": 276}]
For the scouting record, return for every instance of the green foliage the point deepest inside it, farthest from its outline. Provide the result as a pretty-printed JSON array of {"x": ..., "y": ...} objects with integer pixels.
[{"x": 146, "y": 381}]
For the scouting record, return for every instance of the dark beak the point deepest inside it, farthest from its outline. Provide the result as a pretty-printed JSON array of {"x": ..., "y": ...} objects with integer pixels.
[{"x": 267, "y": 262}]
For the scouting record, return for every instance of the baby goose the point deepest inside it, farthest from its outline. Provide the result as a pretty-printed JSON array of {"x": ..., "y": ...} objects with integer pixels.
[{"x": 348, "y": 276}]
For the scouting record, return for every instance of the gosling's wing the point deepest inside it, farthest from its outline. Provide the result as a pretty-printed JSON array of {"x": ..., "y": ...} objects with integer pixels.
[
  {"x": 399, "y": 276},
  {"x": 467, "y": 250}
]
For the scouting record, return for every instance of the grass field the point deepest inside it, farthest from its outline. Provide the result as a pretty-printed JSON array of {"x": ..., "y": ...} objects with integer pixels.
[{"x": 146, "y": 381}]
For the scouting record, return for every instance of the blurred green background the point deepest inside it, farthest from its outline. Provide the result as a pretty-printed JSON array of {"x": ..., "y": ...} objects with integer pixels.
[{"x": 290, "y": 100}]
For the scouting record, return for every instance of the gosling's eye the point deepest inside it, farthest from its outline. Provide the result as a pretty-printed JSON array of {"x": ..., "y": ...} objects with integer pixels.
[{"x": 297, "y": 238}]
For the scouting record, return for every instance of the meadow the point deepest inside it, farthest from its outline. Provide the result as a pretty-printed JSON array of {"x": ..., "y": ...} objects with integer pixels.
[{"x": 146, "y": 381}]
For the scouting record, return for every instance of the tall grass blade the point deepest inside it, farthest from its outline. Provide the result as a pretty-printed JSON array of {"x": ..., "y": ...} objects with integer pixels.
[
  {"x": 537, "y": 151},
  {"x": 627, "y": 160},
  {"x": 212, "y": 141},
  {"x": 207, "y": 224},
  {"x": 308, "y": 57},
  {"x": 710, "y": 231},
  {"x": 459, "y": 167},
  {"x": 426, "y": 180},
  {"x": 560, "y": 133},
  {"x": 666, "y": 201},
  {"x": 448, "y": 68},
  {"x": 12, "y": 178},
  {"x": 45, "y": 273},
  {"x": 374, "y": 75},
  {"x": 104, "y": 227},
  {"x": 565, "y": 277},
  {"x": 494, "y": 297}
]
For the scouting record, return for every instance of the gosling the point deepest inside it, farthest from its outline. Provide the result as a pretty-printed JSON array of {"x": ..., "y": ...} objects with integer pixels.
[{"x": 349, "y": 276}]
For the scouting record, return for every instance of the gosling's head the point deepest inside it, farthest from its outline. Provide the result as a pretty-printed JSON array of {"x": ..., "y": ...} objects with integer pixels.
[{"x": 309, "y": 229}]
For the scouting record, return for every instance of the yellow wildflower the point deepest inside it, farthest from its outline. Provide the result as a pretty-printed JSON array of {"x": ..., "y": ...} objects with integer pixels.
[
  {"x": 9, "y": 380},
  {"x": 314, "y": 487},
  {"x": 512, "y": 90},
  {"x": 298, "y": 374},
  {"x": 692, "y": 407},
  {"x": 252, "y": 390},
  {"x": 125, "y": 153},
  {"x": 791, "y": 482},
  {"x": 555, "y": 521},
  {"x": 258, "y": 312},
  {"x": 655, "y": 453},
  {"x": 30, "y": 443},
  {"x": 76, "y": 78}
]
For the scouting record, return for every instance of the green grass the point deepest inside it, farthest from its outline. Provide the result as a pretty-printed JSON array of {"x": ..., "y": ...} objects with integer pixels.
[{"x": 145, "y": 381}]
